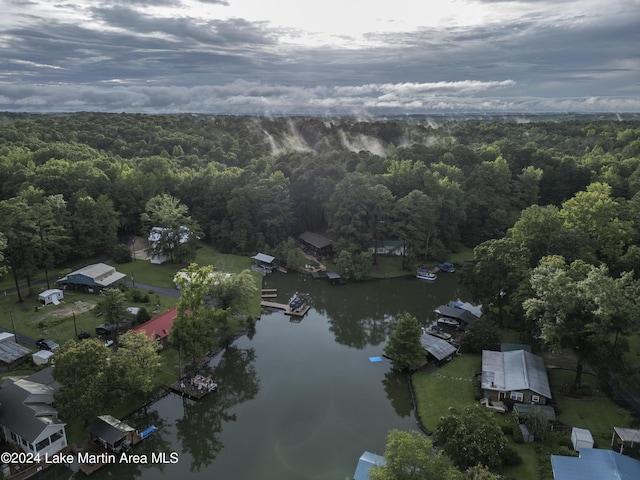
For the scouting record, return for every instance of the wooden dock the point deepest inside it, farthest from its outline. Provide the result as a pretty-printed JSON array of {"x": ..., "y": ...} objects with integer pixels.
[
  {"x": 195, "y": 389},
  {"x": 286, "y": 308},
  {"x": 269, "y": 293}
]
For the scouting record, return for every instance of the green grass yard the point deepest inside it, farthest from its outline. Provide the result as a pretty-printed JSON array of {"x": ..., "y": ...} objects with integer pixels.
[
  {"x": 448, "y": 386},
  {"x": 451, "y": 386}
]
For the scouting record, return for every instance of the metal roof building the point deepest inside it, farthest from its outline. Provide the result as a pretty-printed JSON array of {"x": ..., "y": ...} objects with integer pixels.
[
  {"x": 367, "y": 461},
  {"x": 595, "y": 464},
  {"x": 514, "y": 371},
  {"x": 437, "y": 347},
  {"x": 98, "y": 276}
]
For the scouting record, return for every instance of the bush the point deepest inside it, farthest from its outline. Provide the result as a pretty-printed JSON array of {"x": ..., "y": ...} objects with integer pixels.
[
  {"x": 511, "y": 458},
  {"x": 507, "y": 429},
  {"x": 121, "y": 253},
  {"x": 566, "y": 452},
  {"x": 517, "y": 435},
  {"x": 142, "y": 316}
]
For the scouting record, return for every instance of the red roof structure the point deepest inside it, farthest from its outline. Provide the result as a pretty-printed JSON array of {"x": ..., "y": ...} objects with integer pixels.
[{"x": 158, "y": 328}]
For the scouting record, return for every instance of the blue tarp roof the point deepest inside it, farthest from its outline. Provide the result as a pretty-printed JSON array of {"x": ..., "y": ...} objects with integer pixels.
[
  {"x": 595, "y": 464},
  {"x": 367, "y": 460}
]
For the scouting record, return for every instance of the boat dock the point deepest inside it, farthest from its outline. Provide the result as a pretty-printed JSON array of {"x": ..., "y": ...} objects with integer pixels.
[
  {"x": 196, "y": 388},
  {"x": 287, "y": 309},
  {"x": 269, "y": 293}
]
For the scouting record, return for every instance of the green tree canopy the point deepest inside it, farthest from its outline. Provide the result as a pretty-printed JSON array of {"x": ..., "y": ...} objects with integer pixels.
[
  {"x": 472, "y": 437},
  {"x": 411, "y": 456},
  {"x": 404, "y": 347}
]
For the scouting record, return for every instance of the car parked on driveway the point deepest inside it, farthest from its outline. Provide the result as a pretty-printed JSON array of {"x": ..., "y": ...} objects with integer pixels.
[{"x": 45, "y": 344}]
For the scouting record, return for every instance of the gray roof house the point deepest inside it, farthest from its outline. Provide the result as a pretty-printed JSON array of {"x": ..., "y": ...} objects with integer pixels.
[
  {"x": 92, "y": 278},
  {"x": 27, "y": 416},
  {"x": 518, "y": 376}
]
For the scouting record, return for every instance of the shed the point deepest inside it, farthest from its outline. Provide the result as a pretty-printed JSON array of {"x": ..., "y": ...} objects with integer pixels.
[
  {"x": 53, "y": 295},
  {"x": 581, "y": 438},
  {"x": 42, "y": 357}
]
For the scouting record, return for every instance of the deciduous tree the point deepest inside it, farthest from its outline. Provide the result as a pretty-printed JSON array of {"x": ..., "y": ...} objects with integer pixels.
[
  {"x": 411, "y": 456},
  {"x": 472, "y": 437}
]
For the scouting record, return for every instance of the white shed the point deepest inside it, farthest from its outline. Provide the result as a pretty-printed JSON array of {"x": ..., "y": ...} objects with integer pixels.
[
  {"x": 581, "y": 438},
  {"x": 42, "y": 357},
  {"x": 51, "y": 296}
]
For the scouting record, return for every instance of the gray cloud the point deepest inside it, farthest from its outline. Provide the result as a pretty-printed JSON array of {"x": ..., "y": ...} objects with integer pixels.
[{"x": 123, "y": 58}]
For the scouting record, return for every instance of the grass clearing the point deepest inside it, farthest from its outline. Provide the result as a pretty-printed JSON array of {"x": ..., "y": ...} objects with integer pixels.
[{"x": 449, "y": 386}]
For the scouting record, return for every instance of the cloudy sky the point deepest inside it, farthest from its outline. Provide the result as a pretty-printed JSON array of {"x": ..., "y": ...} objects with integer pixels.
[{"x": 320, "y": 56}]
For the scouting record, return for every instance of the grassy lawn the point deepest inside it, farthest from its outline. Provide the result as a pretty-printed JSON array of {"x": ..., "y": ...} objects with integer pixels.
[
  {"x": 596, "y": 412},
  {"x": 56, "y": 321},
  {"x": 449, "y": 386}
]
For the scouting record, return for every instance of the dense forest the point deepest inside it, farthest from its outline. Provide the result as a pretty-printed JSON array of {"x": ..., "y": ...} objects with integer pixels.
[{"x": 73, "y": 184}]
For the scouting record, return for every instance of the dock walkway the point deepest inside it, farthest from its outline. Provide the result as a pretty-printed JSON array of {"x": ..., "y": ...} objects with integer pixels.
[{"x": 286, "y": 308}]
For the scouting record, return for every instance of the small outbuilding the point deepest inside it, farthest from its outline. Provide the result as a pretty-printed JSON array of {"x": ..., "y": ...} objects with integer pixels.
[
  {"x": 54, "y": 295},
  {"x": 317, "y": 244},
  {"x": 42, "y": 357},
  {"x": 581, "y": 438}
]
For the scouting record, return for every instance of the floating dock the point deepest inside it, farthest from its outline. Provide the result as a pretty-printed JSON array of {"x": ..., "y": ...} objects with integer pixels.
[{"x": 286, "y": 308}]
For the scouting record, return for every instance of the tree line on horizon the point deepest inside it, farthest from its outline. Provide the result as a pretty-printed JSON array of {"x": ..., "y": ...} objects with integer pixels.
[{"x": 73, "y": 184}]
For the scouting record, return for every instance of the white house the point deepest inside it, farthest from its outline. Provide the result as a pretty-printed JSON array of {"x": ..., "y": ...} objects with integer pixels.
[
  {"x": 53, "y": 295},
  {"x": 388, "y": 247},
  {"x": 28, "y": 418}
]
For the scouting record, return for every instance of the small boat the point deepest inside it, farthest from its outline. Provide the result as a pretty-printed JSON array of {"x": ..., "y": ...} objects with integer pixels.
[
  {"x": 437, "y": 332},
  {"x": 424, "y": 274},
  {"x": 449, "y": 322}
]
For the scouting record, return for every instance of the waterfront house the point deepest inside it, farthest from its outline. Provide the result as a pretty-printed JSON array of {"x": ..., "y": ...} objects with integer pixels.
[
  {"x": 388, "y": 247},
  {"x": 595, "y": 464},
  {"x": 92, "y": 278},
  {"x": 517, "y": 376},
  {"x": 27, "y": 416}
]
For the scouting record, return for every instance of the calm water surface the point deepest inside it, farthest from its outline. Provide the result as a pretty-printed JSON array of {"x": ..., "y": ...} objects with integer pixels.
[{"x": 297, "y": 400}]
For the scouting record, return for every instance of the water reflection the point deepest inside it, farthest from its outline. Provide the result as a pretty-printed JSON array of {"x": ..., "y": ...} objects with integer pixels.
[
  {"x": 396, "y": 387},
  {"x": 237, "y": 383}
]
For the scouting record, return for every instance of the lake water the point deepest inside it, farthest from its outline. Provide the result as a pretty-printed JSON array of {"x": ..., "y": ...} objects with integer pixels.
[{"x": 297, "y": 400}]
